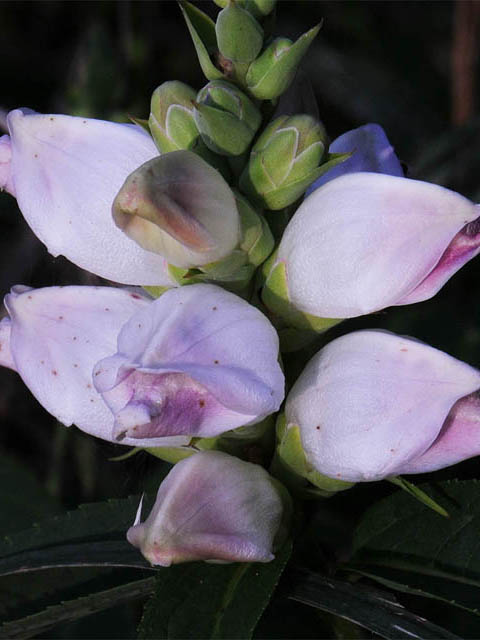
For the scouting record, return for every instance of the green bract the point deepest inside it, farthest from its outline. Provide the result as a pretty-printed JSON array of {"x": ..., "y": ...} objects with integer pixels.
[
  {"x": 226, "y": 118},
  {"x": 271, "y": 74},
  {"x": 284, "y": 161},
  {"x": 294, "y": 468}
]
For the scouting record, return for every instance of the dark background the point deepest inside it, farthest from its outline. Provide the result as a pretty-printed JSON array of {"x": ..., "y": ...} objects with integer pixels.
[{"x": 409, "y": 66}]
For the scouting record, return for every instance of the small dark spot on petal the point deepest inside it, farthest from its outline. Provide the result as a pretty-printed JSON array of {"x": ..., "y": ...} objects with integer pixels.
[
  {"x": 35, "y": 155},
  {"x": 60, "y": 317},
  {"x": 89, "y": 386},
  {"x": 201, "y": 403},
  {"x": 214, "y": 308},
  {"x": 42, "y": 361},
  {"x": 29, "y": 297},
  {"x": 76, "y": 366},
  {"x": 339, "y": 475},
  {"x": 107, "y": 309},
  {"x": 215, "y": 362},
  {"x": 135, "y": 295},
  {"x": 392, "y": 450},
  {"x": 97, "y": 373},
  {"x": 55, "y": 372},
  {"x": 139, "y": 326},
  {"x": 51, "y": 119},
  {"x": 74, "y": 337},
  {"x": 318, "y": 427},
  {"x": 404, "y": 349}
]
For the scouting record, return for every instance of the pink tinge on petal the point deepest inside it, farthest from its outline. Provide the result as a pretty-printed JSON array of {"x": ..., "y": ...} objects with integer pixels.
[
  {"x": 6, "y": 359},
  {"x": 459, "y": 438},
  {"x": 6, "y": 182},
  {"x": 464, "y": 246}
]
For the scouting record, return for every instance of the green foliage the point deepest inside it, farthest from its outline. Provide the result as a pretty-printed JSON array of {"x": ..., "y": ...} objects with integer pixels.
[
  {"x": 404, "y": 545},
  {"x": 202, "y": 600}
]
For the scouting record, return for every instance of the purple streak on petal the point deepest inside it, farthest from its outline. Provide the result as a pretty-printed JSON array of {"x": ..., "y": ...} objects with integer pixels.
[
  {"x": 6, "y": 359},
  {"x": 464, "y": 246},
  {"x": 6, "y": 181},
  {"x": 459, "y": 438},
  {"x": 372, "y": 152},
  {"x": 167, "y": 405},
  {"x": 199, "y": 361}
]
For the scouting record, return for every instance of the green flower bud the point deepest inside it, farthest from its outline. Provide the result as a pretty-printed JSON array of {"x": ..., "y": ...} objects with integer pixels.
[
  {"x": 258, "y": 8},
  {"x": 239, "y": 36},
  {"x": 284, "y": 161},
  {"x": 226, "y": 118},
  {"x": 272, "y": 72},
  {"x": 292, "y": 468},
  {"x": 172, "y": 121}
]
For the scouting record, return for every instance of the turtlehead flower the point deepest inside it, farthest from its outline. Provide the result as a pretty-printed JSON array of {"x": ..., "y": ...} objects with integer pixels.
[
  {"x": 212, "y": 507},
  {"x": 65, "y": 173},
  {"x": 377, "y": 240},
  {"x": 372, "y": 404},
  {"x": 371, "y": 151},
  {"x": 198, "y": 361}
]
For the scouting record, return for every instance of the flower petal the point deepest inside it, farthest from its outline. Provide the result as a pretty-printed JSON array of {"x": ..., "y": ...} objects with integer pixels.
[
  {"x": 365, "y": 241},
  {"x": 6, "y": 359},
  {"x": 66, "y": 172},
  {"x": 459, "y": 439},
  {"x": 198, "y": 361},
  {"x": 372, "y": 151},
  {"x": 57, "y": 335},
  {"x": 370, "y": 402},
  {"x": 5, "y": 165},
  {"x": 464, "y": 246},
  {"x": 211, "y": 506}
]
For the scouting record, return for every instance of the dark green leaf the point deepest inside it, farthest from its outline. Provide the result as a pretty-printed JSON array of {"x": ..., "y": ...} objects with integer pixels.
[
  {"x": 211, "y": 601},
  {"x": 375, "y": 610},
  {"x": 402, "y": 541},
  {"x": 75, "y": 609}
]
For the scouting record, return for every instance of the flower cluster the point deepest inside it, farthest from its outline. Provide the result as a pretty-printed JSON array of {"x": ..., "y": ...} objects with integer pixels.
[{"x": 187, "y": 205}]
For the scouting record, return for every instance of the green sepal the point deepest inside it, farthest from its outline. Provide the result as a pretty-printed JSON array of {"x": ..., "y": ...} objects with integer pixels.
[
  {"x": 239, "y": 36},
  {"x": 141, "y": 122},
  {"x": 273, "y": 71},
  {"x": 418, "y": 494},
  {"x": 202, "y": 31},
  {"x": 275, "y": 296},
  {"x": 257, "y": 239},
  {"x": 155, "y": 291},
  {"x": 291, "y": 464}
]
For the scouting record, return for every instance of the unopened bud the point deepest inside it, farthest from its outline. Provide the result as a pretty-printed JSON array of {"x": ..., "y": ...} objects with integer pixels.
[
  {"x": 226, "y": 118},
  {"x": 239, "y": 36},
  {"x": 272, "y": 72},
  {"x": 214, "y": 507},
  {"x": 284, "y": 161},
  {"x": 258, "y": 8},
  {"x": 171, "y": 121},
  {"x": 177, "y": 205}
]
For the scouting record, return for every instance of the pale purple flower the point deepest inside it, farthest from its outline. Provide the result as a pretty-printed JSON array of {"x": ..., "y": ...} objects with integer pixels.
[
  {"x": 372, "y": 404},
  {"x": 197, "y": 361},
  {"x": 212, "y": 507},
  {"x": 65, "y": 173},
  {"x": 366, "y": 241},
  {"x": 371, "y": 151}
]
